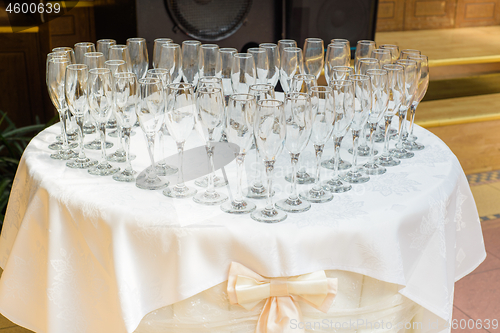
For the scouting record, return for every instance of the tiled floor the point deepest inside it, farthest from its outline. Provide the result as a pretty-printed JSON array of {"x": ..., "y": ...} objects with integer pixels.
[{"x": 477, "y": 296}]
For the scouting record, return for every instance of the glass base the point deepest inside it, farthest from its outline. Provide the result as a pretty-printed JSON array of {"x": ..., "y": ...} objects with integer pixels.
[
  {"x": 301, "y": 178},
  {"x": 73, "y": 136},
  {"x": 363, "y": 151},
  {"x": 145, "y": 183},
  {"x": 373, "y": 169},
  {"x": 81, "y": 163},
  {"x": 103, "y": 169},
  {"x": 378, "y": 137},
  {"x": 268, "y": 216},
  {"x": 96, "y": 145},
  {"x": 387, "y": 161},
  {"x": 293, "y": 205},
  {"x": 179, "y": 192},
  {"x": 412, "y": 145},
  {"x": 58, "y": 145},
  {"x": 210, "y": 199},
  {"x": 336, "y": 186},
  {"x": 165, "y": 169},
  {"x": 257, "y": 192},
  {"x": 125, "y": 176},
  {"x": 64, "y": 155},
  {"x": 111, "y": 124},
  {"x": 401, "y": 153},
  {"x": 203, "y": 182},
  {"x": 316, "y": 196},
  {"x": 330, "y": 164},
  {"x": 89, "y": 129},
  {"x": 355, "y": 177},
  {"x": 242, "y": 207}
]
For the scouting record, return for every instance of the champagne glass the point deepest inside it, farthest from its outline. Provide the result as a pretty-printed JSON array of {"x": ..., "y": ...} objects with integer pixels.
[
  {"x": 100, "y": 97},
  {"x": 298, "y": 121},
  {"x": 261, "y": 63},
  {"x": 383, "y": 56},
  {"x": 410, "y": 82},
  {"x": 103, "y": 46},
  {"x": 76, "y": 97},
  {"x": 55, "y": 82},
  {"x": 362, "y": 105},
  {"x": 209, "y": 60},
  {"x": 150, "y": 111},
  {"x": 284, "y": 43},
  {"x": 364, "y": 49},
  {"x": 423, "y": 83},
  {"x": 226, "y": 62},
  {"x": 258, "y": 190},
  {"x": 126, "y": 97},
  {"x": 323, "y": 109},
  {"x": 291, "y": 64},
  {"x": 336, "y": 55},
  {"x": 191, "y": 61},
  {"x": 179, "y": 118},
  {"x": 121, "y": 52},
  {"x": 405, "y": 54},
  {"x": 380, "y": 98},
  {"x": 394, "y": 49},
  {"x": 171, "y": 59},
  {"x": 346, "y": 44},
  {"x": 343, "y": 91},
  {"x": 116, "y": 66},
  {"x": 243, "y": 73},
  {"x": 138, "y": 56},
  {"x": 395, "y": 82},
  {"x": 162, "y": 168},
  {"x": 68, "y": 51},
  {"x": 158, "y": 49},
  {"x": 340, "y": 73},
  {"x": 81, "y": 49},
  {"x": 314, "y": 56},
  {"x": 364, "y": 64},
  {"x": 239, "y": 125},
  {"x": 273, "y": 60},
  {"x": 209, "y": 124},
  {"x": 269, "y": 131}
]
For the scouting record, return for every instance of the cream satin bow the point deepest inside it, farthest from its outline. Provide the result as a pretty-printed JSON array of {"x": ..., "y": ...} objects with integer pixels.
[{"x": 247, "y": 288}]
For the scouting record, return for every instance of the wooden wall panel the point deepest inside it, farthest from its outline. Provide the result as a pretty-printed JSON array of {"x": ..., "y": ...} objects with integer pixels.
[
  {"x": 473, "y": 13},
  {"x": 429, "y": 14},
  {"x": 390, "y": 15}
]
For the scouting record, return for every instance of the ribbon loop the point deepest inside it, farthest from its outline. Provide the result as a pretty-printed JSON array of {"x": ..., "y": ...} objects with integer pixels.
[{"x": 279, "y": 287}]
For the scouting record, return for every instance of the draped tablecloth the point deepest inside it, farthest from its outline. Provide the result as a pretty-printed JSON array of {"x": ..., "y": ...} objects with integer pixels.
[{"x": 83, "y": 253}]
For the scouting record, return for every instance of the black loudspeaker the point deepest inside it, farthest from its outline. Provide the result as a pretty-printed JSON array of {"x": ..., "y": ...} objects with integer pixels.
[
  {"x": 228, "y": 23},
  {"x": 327, "y": 19}
]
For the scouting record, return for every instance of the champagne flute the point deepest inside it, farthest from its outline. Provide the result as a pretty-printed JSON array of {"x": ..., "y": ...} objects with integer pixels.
[
  {"x": 171, "y": 59},
  {"x": 423, "y": 83},
  {"x": 261, "y": 63},
  {"x": 383, "y": 56},
  {"x": 209, "y": 124},
  {"x": 68, "y": 51},
  {"x": 405, "y": 54},
  {"x": 55, "y": 83},
  {"x": 125, "y": 100},
  {"x": 226, "y": 62},
  {"x": 410, "y": 82},
  {"x": 258, "y": 190},
  {"x": 314, "y": 56},
  {"x": 299, "y": 120},
  {"x": 139, "y": 61},
  {"x": 150, "y": 111},
  {"x": 82, "y": 48},
  {"x": 284, "y": 43},
  {"x": 343, "y": 91},
  {"x": 103, "y": 46},
  {"x": 269, "y": 132},
  {"x": 158, "y": 49},
  {"x": 336, "y": 55},
  {"x": 395, "y": 82},
  {"x": 116, "y": 66},
  {"x": 346, "y": 44},
  {"x": 180, "y": 118},
  {"x": 239, "y": 125},
  {"x": 243, "y": 73},
  {"x": 364, "y": 49},
  {"x": 364, "y": 64},
  {"x": 100, "y": 96},
  {"x": 191, "y": 61},
  {"x": 323, "y": 109},
  {"x": 380, "y": 98},
  {"x": 76, "y": 97},
  {"x": 121, "y": 52},
  {"x": 209, "y": 61},
  {"x": 394, "y": 49},
  {"x": 362, "y": 105},
  {"x": 273, "y": 59},
  {"x": 291, "y": 64}
]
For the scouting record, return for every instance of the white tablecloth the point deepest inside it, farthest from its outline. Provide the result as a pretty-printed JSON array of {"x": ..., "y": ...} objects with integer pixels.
[{"x": 82, "y": 253}]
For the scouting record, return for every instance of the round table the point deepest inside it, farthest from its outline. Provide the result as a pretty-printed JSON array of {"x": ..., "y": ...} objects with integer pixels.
[{"x": 83, "y": 253}]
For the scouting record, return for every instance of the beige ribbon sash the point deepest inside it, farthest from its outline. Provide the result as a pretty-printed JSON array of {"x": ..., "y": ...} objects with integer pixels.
[{"x": 247, "y": 288}]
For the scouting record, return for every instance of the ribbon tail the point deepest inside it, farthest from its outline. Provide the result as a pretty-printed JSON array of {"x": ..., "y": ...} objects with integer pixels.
[{"x": 280, "y": 315}]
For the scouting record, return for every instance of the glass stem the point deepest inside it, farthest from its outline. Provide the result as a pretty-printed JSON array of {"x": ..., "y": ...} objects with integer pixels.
[
  {"x": 388, "y": 120},
  {"x": 319, "y": 152},
  {"x": 258, "y": 180},
  {"x": 62, "y": 118},
  {"x": 336, "y": 155},
  {"x": 151, "y": 148},
  {"x": 402, "y": 116},
  {"x": 79, "y": 122},
  {"x": 239, "y": 164},
  {"x": 102, "y": 132},
  {"x": 413, "y": 108},
  {"x": 211, "y": 187},
  {"x": 355, "y": 141},
  {"x": 373, "y": 127},
  {"x": 269, "y": 210},
  {"x": 180, "y": 149},
  {"x": 126, "y": 146},
  {"x": 120, "y": 137},
  {"x": 295, "y": 159}
]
